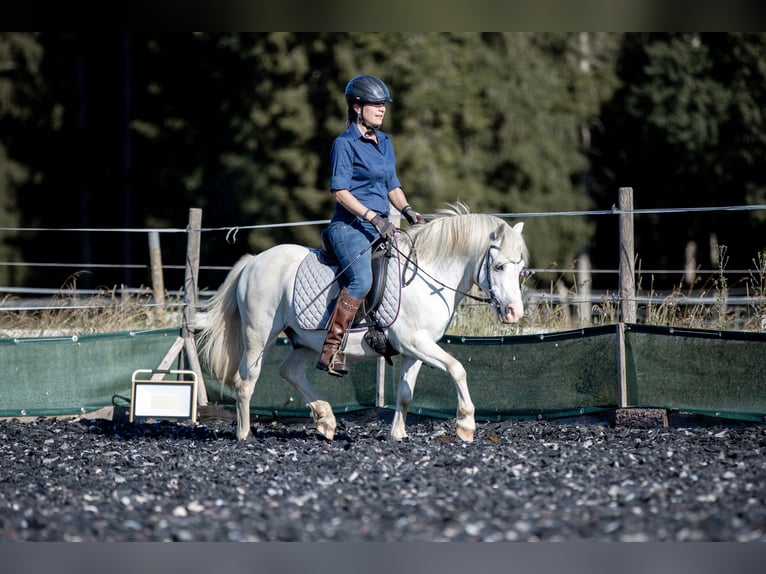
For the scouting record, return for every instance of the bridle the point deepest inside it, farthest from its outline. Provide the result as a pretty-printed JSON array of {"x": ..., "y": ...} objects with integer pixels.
[{"x": 486, "y": 266}]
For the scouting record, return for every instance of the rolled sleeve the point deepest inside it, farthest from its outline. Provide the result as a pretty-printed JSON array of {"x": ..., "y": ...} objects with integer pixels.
[{"x": 341, "y": 163}]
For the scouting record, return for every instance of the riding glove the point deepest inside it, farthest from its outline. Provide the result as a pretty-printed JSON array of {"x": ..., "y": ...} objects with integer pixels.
[
  {"x": 384, "y": 226},
  {"x": 412, "y": 216}
]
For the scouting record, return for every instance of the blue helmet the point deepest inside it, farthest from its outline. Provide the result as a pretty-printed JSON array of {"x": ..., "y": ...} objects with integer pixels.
[{"x": 367, "y": 90}]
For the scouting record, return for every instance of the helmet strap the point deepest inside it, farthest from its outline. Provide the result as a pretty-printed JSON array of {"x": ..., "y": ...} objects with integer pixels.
[{"x": 369, "y": 131}]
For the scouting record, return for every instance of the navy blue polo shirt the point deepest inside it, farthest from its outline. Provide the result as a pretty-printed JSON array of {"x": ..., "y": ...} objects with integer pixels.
[{"x": 366, "y": 169}]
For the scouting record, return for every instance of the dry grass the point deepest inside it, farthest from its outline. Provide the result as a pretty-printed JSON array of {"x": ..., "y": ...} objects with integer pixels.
[
  {"x": 682, "y": 307},
  {"x": 110, "y": 311},
  {"x": 71, "y": 312}
]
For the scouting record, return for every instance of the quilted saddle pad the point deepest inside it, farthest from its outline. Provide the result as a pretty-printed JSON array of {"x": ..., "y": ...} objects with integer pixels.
[{"x": 316, "y": 289}]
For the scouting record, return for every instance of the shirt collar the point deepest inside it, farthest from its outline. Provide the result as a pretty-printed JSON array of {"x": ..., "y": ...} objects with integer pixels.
[{"x": 355, "y": 134}]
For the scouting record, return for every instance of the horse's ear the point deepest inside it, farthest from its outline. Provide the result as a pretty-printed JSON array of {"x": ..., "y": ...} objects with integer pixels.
[
  {"x": 498, "y": 233},
  {"x": 519, "y": 226}
]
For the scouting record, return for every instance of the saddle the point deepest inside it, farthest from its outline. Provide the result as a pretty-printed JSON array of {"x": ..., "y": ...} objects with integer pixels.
[{"x": 317, "y": 288}]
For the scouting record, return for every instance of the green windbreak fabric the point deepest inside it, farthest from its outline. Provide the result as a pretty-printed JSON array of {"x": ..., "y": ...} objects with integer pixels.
[
  {"x": 548, "y": 375},
  {"x": 551, "y": 375},
  {"x": 70, "y": 375},
  {"x": 718, "y": 373},
  {"x": 274, "y": 396}
]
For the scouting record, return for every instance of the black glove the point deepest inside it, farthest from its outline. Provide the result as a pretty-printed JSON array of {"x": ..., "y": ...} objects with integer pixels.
[
  {"x": 412, "y": 216},
  {"x": 384, "y": 226}
]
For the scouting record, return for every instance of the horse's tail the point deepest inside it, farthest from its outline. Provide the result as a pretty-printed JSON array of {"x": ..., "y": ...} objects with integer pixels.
[{"x": 221, "y": 342}]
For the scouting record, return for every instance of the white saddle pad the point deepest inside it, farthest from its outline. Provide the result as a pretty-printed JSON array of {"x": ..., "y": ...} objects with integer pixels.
[{"x": 315, "y": 291}]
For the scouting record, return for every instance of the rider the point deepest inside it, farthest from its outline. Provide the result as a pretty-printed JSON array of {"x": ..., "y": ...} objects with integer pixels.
[{"x": 363, "y": 182}]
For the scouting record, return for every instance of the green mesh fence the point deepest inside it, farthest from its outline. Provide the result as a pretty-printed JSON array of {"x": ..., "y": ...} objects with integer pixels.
[
  {"x": 541, "y": 376},
  {"x": 552, "y": 375},
  {"x": 274, "y": 396},
  {"x": 70, "y": 375},
  {"x": 718, "y": 373}
]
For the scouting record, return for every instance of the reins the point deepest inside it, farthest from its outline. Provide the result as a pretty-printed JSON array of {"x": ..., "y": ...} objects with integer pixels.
[
  {"x": 409, "y": 258},
  {"x": 417, "y": 268}
]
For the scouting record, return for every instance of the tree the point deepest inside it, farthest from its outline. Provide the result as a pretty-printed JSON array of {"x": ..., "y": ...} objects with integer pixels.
[
  {"x": 241, "y": 122},
  {"x": 20, "y": 81},
  {"x": 686, "y": 129},
  {"x": 497, "y": 121},
  {"x": 241, "y": 126}
]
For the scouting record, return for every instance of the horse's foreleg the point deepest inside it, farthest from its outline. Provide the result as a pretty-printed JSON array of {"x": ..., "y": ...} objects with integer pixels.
[
  {"x": 408, "y": 376},
  {"x": 465, "y": 427},
  {"x": 293, "y": 370},
  {"x": 432, "y": 354}
]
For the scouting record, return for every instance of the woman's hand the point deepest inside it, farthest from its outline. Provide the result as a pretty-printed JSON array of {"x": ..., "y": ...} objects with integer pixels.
[
  {"x": 384, "y": 226},
  {"x": 412, "y": 216}
]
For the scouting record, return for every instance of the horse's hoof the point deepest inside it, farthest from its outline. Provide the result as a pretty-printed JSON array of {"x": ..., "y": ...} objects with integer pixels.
[
  {"x": 326, "y": 431},
  {"x": 464, "y": 434},
  {"x": 398, "y": 437}
]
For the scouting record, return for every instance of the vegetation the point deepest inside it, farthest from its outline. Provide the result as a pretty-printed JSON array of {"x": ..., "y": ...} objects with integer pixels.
[
  {"x": 72, "y": 313},
  {"x": 130, "y": 130},
  {"x": 705, "y": 307}
]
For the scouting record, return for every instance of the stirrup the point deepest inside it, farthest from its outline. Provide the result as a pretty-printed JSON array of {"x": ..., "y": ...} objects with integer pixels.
[{"x": 330, "y": 368}]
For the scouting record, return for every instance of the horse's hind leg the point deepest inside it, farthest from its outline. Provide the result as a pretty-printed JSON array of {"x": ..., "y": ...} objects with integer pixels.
[
  {"x": 244, "y": 389},
  {"x": 409, "y": 373},
  {"x": 293, "y": 370},
  {"x": 244, "y": 383}
]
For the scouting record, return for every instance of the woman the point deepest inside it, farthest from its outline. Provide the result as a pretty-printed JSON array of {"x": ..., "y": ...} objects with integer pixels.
[{"x": 363, "y": 182}]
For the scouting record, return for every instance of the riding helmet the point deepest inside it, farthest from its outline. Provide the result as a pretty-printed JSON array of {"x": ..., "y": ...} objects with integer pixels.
[{"x": 367, "y": 89}]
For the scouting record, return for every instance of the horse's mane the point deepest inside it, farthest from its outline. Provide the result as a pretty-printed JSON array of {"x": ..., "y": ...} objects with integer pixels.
[{"x": 455, "y": 231}]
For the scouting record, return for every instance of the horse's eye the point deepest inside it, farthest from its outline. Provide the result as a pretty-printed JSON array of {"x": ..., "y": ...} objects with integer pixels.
[{"x": 499, "y": 267}]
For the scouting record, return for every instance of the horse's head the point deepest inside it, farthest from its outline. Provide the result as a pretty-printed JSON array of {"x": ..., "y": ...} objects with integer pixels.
[{"x": 499, "y": 271}]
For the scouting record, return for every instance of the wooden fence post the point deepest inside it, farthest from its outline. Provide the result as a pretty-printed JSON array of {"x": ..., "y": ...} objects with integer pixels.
[
  {"x": 584, "y": 284},
  {"x": 155, "y": 260},
  {"x": 627, "y": 257},
  {"x": 622, "y": 371},
  {"x": 189, "y": 354}
]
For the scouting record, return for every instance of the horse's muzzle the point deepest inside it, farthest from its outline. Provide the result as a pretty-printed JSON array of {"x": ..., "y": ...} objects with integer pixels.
[{"x": 511, "y": 314}]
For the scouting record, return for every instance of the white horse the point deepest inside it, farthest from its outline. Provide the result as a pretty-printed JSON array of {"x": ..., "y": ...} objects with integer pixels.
[{"x": 445, "y": 258}]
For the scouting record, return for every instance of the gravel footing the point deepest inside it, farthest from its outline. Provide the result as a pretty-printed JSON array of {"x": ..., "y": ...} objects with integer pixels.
[{"x": 631, "y": 479}]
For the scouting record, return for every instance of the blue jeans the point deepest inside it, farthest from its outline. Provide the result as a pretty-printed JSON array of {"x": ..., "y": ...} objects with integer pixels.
[{"x": 348, "y": 240}]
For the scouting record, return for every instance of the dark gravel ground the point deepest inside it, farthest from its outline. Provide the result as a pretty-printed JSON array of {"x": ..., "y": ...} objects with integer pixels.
[{"x": 110, "y": 480}]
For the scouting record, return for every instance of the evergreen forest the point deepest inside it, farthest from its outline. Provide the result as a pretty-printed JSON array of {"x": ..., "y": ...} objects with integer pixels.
[{"x": 126, "y": 130}]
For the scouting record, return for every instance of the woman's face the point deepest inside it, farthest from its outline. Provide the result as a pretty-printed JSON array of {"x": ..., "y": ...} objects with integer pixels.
[{"x": 372, "y": 114}]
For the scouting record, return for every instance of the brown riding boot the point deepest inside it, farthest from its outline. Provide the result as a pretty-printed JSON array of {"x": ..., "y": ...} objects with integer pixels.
[{"x": 341, "y": 318}]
